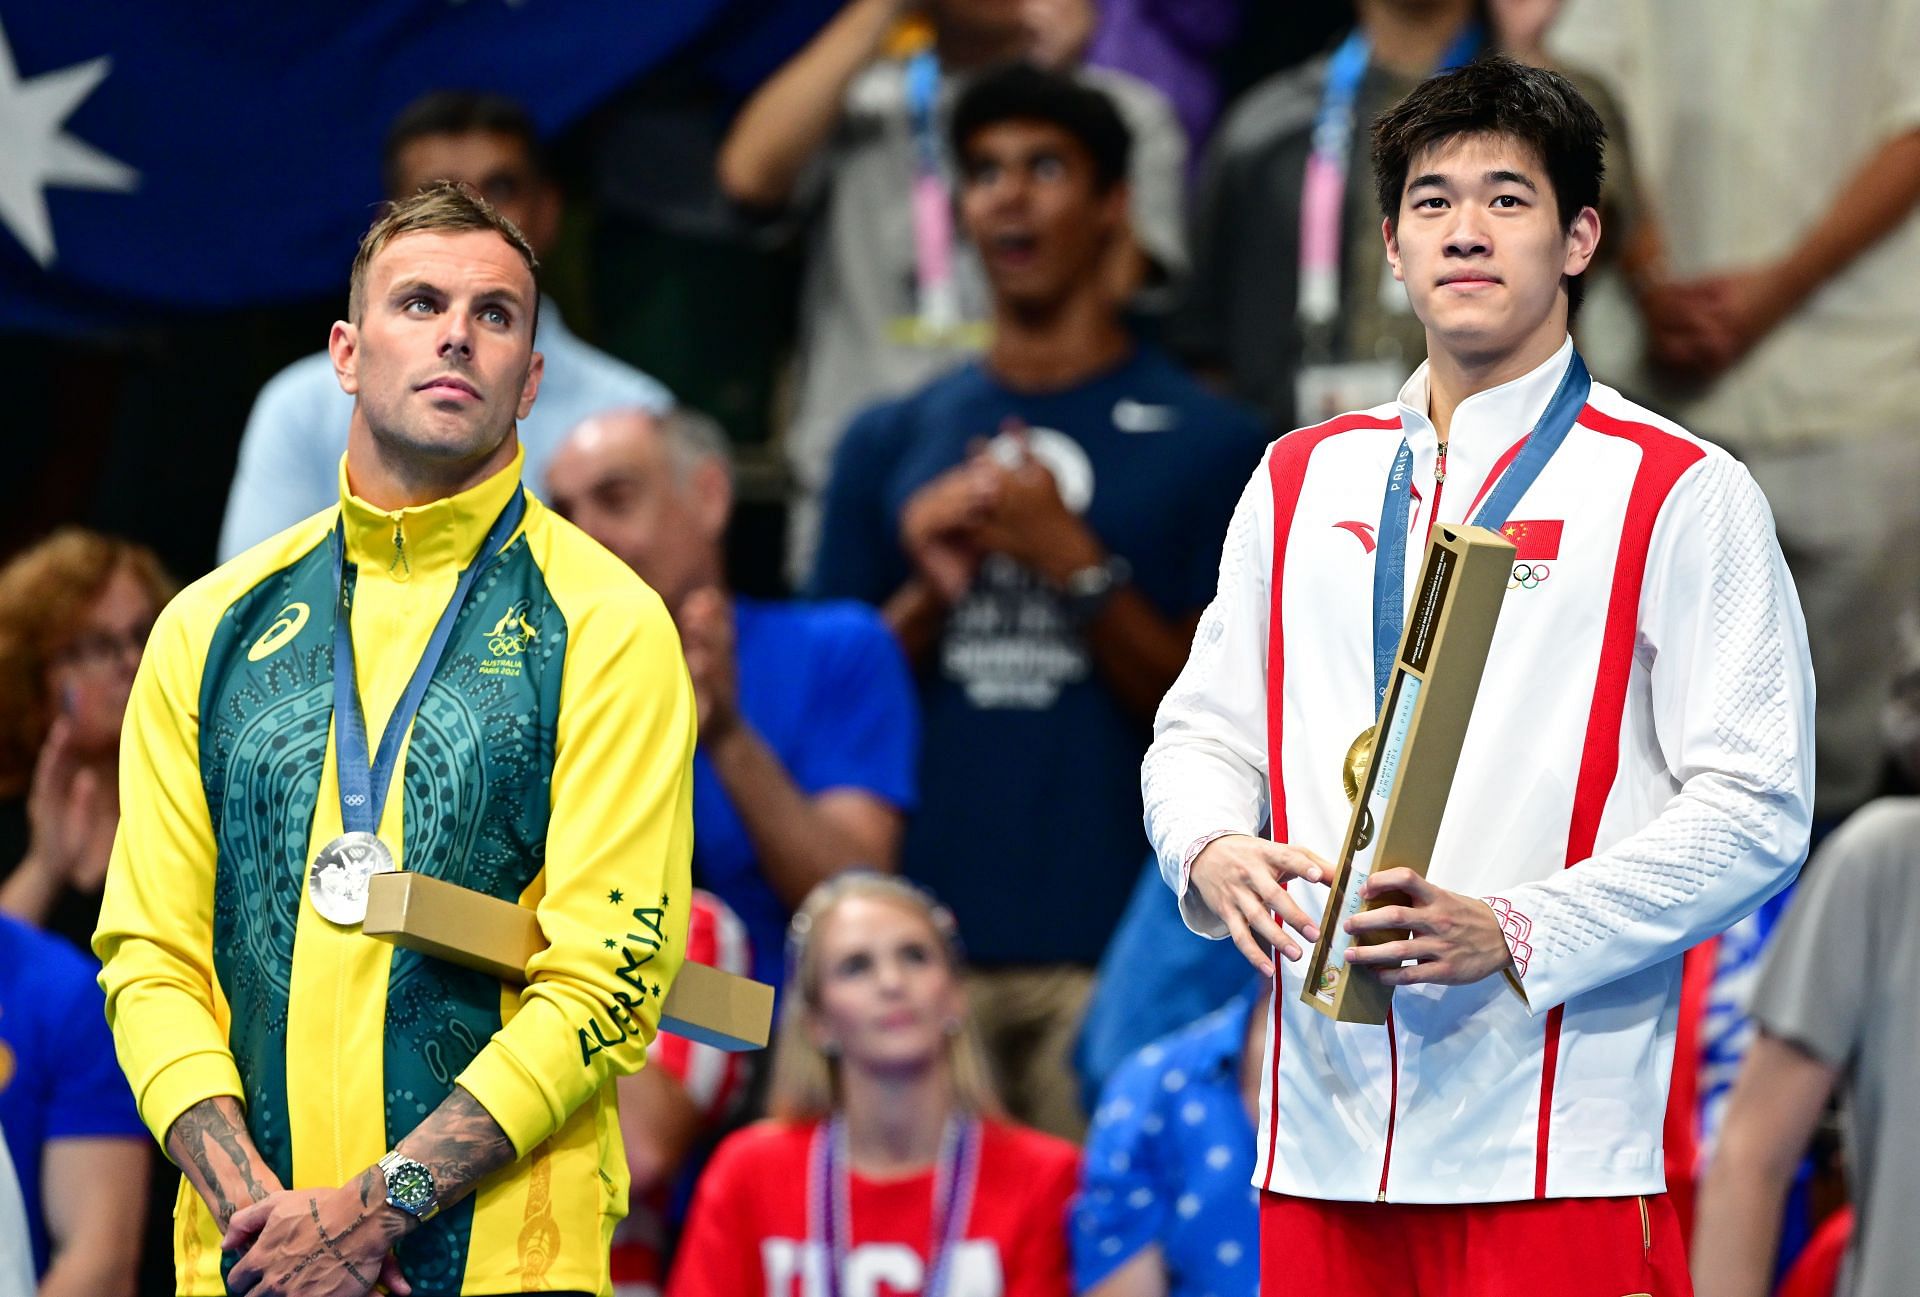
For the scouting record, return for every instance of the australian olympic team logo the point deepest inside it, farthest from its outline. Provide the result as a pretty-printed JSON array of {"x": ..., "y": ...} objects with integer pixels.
[
  {"x": 512, "y": 634},
  {"x": 1527, "y": 576},
  {"x": 287, "y": 623}
]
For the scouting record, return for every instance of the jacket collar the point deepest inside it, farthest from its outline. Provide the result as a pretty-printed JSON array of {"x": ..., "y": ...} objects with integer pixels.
[
  {"x": 1490, "y": 421},
  {"x": 443, "y": 534}
]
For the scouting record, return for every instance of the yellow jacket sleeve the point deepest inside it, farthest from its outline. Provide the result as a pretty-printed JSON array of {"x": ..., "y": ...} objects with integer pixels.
[
  {"x": 155, "y": 940},
  {"x": 612, "y": 899}
]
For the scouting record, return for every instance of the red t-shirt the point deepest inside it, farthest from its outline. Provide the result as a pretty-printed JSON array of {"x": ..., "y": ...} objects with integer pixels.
[{"x": 747, "y": 1235}]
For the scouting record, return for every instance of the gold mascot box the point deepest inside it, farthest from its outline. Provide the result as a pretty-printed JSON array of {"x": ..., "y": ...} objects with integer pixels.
[
  {"x": 1423, "y": 721},
  {"x": 482, "y": 932}
]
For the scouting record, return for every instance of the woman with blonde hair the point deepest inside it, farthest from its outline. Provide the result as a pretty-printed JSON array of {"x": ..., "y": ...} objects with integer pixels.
[
  {"x": 887, "y": 1160},
  {"x": 75, "y": 610}
]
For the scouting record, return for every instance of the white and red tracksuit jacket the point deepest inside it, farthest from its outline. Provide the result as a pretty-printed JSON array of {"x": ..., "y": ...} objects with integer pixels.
[{"x": 1636, "y": 776}]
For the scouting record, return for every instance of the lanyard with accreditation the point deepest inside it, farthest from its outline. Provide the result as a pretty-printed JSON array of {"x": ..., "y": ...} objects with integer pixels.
[{"x": 1338, "y": 374}]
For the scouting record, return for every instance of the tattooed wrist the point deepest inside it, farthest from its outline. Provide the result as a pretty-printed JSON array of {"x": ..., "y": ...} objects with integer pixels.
[
  {"x": 210, "y": 1142},
  {"x": 332, "y": 1241}
]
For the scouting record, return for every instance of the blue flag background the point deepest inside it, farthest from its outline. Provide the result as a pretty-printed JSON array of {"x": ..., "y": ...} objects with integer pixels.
[{"x": 166, "y": 155}]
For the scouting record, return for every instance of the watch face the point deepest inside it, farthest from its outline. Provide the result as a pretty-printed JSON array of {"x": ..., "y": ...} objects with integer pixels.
[{"x": 410, "y": 1187}]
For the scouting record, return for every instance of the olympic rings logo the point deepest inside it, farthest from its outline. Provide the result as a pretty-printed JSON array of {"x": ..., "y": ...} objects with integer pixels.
[
  {"x": 1527, "y": 575},
  {"x": 506, "y": 645}
]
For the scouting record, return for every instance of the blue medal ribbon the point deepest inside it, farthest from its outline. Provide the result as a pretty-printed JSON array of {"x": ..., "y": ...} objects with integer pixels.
[
  {"x": 1390, "y": 555},
  {"x": 364, "y": 784}
]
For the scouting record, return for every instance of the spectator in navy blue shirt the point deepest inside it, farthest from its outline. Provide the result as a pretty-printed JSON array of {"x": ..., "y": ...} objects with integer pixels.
[
  {"x": 808, "y": 725},
  {"x": 1037, "y": 525},
  {"x": 1164, "y": 1208},
  {"x": 71, "y": 1129}
]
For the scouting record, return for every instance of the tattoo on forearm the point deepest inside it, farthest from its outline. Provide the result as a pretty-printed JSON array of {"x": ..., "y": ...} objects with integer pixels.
[
  {"x": 210, "y": 1125},
  {"x": 461, "y": 1143}
]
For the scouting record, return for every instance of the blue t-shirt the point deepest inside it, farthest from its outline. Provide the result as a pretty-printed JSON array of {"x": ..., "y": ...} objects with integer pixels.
[
  {"x": 826, "y": 687},
  {"x": 1169, "y": 1160},
  {"x": 1029, "y": 825},
  {"x": 58, "y": 1075}
]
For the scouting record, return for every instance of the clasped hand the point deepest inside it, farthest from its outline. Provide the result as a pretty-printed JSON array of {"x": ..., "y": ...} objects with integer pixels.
[
  {"x": 316, "y": 1243},
  {"x": 1454, "y": 939},
  {"x": 1002, "y": 500}
]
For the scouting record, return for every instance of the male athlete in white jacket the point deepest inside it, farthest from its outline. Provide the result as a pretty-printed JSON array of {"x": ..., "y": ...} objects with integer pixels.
[{"x": 1636, "y": 776}]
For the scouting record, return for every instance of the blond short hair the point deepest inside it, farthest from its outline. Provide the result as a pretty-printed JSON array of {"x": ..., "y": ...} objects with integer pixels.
[
  {"x": 806, "y": 1082},
  {"x": 446, "y": 207}
]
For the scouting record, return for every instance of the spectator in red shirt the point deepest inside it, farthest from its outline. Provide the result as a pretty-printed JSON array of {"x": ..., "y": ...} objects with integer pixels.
[
  {"x": 887, "y": 1163},
  {"x": 685, "y": 1092}
]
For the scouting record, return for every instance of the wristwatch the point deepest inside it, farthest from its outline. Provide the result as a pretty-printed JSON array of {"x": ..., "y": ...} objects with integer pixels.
[
  {"x": 410, "y": 1186},
  {"x": 1089, "y": 588}
]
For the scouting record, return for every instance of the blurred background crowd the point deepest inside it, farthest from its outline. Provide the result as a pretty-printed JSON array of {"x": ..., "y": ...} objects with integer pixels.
[{"x": 916, "y": 351}]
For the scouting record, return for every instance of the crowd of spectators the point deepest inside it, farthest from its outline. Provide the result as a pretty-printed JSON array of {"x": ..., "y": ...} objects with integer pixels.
[{"x": 1059, "y": 290}]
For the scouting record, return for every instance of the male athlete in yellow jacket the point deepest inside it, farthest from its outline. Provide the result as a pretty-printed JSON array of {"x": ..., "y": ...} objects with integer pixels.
[{"x": 348, "y": 1113}]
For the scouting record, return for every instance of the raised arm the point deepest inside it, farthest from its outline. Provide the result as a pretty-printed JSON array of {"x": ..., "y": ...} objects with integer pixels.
[
  {"x": 807, "y": 826},
  {"x": 791, "y": 116}
]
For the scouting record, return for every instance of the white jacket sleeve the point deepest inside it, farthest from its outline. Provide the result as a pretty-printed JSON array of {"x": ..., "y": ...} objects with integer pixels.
[
  {"x": 1206, "y": 773},
  {"x": 1732, "y": 701}
]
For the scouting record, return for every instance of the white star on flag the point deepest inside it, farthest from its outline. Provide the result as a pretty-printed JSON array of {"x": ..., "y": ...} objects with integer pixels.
[{"x": 38, "y": 153}]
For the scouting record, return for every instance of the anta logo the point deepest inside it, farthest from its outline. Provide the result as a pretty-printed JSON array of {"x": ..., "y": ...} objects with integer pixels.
[
  {"x": 1362, "y": 532},
  {"x": 512, "y": 633},
  {"x": 286, "y": 625}
]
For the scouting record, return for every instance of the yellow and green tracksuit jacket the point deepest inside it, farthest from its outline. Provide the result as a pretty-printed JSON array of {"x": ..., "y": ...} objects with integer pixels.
[{"x": 550, "y": 763}]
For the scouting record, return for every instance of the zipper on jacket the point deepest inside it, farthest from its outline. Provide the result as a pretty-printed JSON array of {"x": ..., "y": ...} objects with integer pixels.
[
  {"x": 1393, "y": 1106},
  {"x": 401, "y": 564}
]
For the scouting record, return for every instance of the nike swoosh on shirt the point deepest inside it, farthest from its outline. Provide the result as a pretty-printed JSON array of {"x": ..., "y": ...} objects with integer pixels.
[{"x": 1137, "y": 416}]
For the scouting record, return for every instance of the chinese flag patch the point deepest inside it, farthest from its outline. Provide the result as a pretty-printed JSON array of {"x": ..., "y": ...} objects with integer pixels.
[{"x": 1534, "y": 541}]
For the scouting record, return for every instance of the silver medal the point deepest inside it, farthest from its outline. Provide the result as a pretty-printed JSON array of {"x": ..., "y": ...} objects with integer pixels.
[{"x": 338, "y": 882}]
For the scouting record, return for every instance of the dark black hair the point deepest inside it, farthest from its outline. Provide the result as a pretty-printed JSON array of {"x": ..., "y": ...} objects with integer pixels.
[
  {"x": 457, "y": 112},
  {"x": 1023, "y": 92},
  {"x": 1497, "y": 96}
]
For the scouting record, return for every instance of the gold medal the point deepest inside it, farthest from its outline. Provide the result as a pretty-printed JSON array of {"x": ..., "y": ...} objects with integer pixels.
[{"x": 1353, "y": 768}]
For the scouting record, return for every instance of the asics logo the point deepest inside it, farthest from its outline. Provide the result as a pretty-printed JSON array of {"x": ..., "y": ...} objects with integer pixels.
[{"x": 286, "y": 625}]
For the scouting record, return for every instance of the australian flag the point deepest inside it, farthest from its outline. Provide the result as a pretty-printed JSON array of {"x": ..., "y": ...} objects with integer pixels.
[{"x": 167, "y": 155}]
